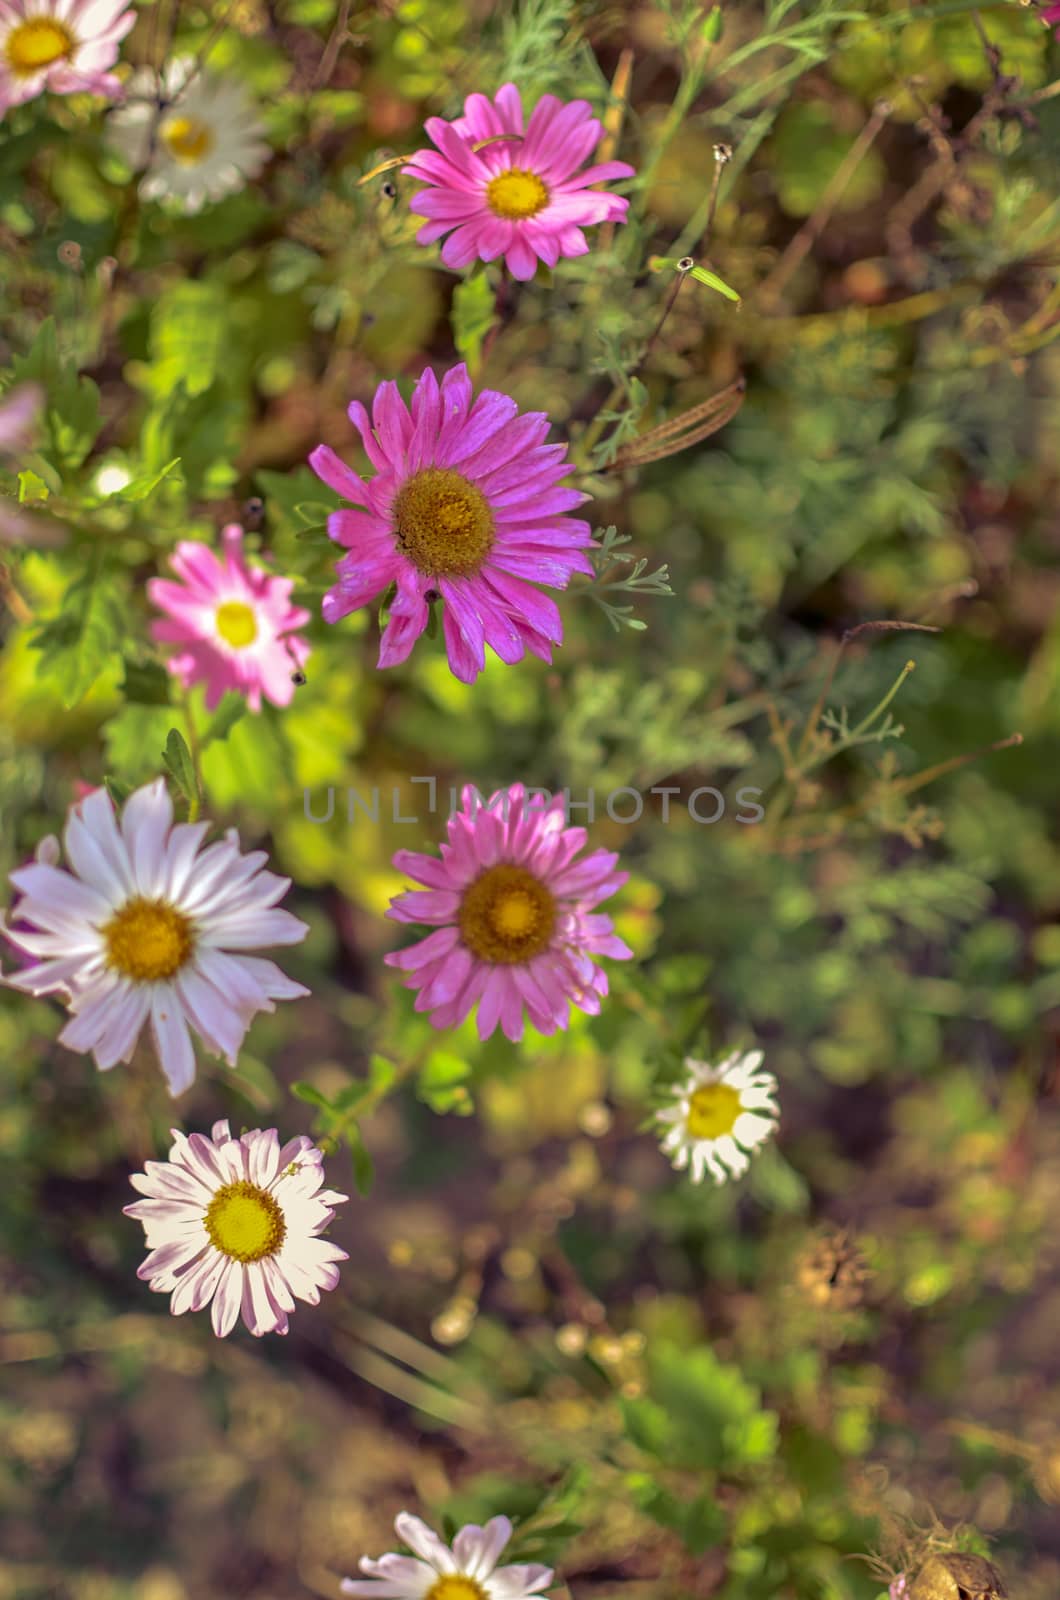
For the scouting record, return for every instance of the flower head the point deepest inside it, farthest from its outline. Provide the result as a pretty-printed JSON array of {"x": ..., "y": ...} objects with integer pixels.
[
  {"x": 1051, "y": 17},
  {"x": 205, "y": 144},
  {"x": 899, "y": 1589},
  {"x": 237, "y": 1221},
  {"x": 468, "y": 1571},
  {"x": 233, "y": 622},
  {"x": 150, "y": 927},
  {"x": 721, "y": 1113},
  {"x": 465, "y": 506},
  {"x": 498, "y": 190},
  {"x": 62, "y": 45},
  {"x": 516, "y": 928},
  {"x": 18, "y": 413}
]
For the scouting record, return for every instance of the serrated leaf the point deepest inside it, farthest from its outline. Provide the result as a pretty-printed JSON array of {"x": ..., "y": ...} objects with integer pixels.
[{"x": 80, "y": 644}]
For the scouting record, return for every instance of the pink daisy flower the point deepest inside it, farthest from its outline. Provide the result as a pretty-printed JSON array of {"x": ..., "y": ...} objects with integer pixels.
[
  {"x": 237, "y": 1221},
  {"x": 62, "y": 45},
  {"x": 514, "y": 914},
  {"x": 18, "y": 413},
  {"x": 468, "y": 1571},
  {"x": 466, "y": 507},
  {"x": 149, "y": 927},
  {"x": 1051, "y": 17},
  {"x": 522, "y": 196},
  {"x": 234, "y": 622}
]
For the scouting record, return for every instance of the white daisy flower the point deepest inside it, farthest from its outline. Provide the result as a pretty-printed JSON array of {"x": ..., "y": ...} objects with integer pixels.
[
  {"x": 205, "y": 141},
  {"x": 150, "y": 927},
  {"x": 237, "y": 1221},
  {"x": 468, "y": 1571},
  {"x": 721, "y": 1113}
]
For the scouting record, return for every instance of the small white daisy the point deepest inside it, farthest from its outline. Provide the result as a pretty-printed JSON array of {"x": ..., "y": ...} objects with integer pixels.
[
  {"x": 204, "y": 143},
  {"x": 721, "y": 1113},
  {"x": 237, "y": 1221},
  {"x": 151, "y": 927},
  {"x": 468, "y": 1571}
]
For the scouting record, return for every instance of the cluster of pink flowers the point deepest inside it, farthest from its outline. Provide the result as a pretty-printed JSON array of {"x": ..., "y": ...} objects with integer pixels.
[{"x": 148, "y": 929}]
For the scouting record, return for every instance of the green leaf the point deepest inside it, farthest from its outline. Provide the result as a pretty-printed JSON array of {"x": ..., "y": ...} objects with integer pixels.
[
  {"x": 363, "y": 1166},
  {"x": 71, "y": 408},
  {"x": 473, "y": 316},
  {"x": 118, "y": 791},
  {"x": 313, "y": 1097},
  {"x": 31, "y": 488},
  {"x": 712, "y": 281},
  {"x": 231, "y": 710},
  {"x": 176, "y": 758},
  {"x": 715, "y": 1419},
  {"x": 83, "y": 641},
  {"x": 146, "y": 683},
  {"x": 442, "y": 1083},
  {"x": 187, "y": 338},
  {"x": 141, "y": 487}
]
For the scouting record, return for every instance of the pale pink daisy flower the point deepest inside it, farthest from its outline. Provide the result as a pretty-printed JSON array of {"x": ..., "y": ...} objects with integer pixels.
[
  {"x": 237, "y": 1221},
  {"x": 468, "y": 1571},
  {"x": 234, "y": 624},
  {"x": 514, "y": 914},
  {"x": 521, "y": 196},
  {"x": 19, "y": 410},
  {"x": 466, "y": 507},
  {"x": 62, "y": 45},
  {"x": 150, "y": 927},
  {"x": 899, "y": 1588}
]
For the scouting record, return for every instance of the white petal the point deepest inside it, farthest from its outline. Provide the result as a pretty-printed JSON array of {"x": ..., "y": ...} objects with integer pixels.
[
  {"x": 145, "y": 823},
  {"x": 172, "y": 1039},
  {"x": 424, "y": 1541}
]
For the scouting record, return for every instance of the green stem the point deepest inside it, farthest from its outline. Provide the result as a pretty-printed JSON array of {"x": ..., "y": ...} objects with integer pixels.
[{"x": 371, "y": 1098}]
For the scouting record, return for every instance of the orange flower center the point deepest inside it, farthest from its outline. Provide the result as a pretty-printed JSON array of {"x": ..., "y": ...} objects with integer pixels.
[
  {"x": 148, "y": 940},
  {"x": 443, "y": 523},
  {"x": 507, "y": 916}
]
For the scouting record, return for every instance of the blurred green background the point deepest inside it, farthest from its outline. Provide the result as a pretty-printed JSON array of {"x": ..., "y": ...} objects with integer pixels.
[{"x": 736, "y": 1393}]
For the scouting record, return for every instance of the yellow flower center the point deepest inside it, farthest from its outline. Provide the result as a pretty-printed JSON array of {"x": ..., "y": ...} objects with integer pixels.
[
  {"x": 188, "y": 139},
  {"x": 148, "y": 940},
  {"x": 713, "y": 1110},
  {"x": 37, "y": 43},
  {"x": 443, "y": 523},
  {"x": 237, "y": 624},
  {"x": 516, "y": 194},
  {"x": 245, "y": 1222},
  {"x": 507, "y": 916},
  {"x": 453, "y": 1588}
]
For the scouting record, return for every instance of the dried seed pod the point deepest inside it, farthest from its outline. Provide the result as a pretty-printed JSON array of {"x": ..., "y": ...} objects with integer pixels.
[
  {"x": 957, "y": 1577},
  {"x": 832, "y": 1272}
]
